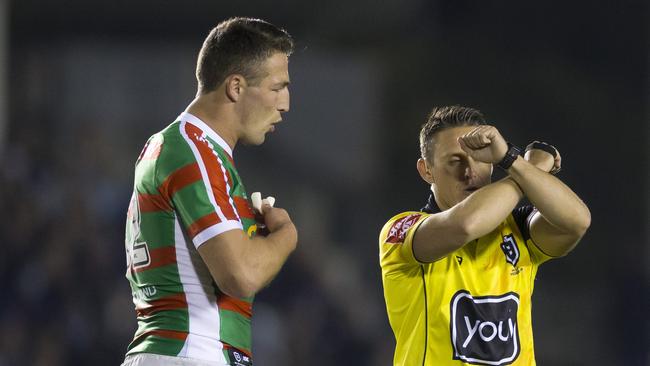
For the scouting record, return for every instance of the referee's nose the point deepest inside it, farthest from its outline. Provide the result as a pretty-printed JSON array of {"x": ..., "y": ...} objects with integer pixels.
[{"x": 470, "y": 169}]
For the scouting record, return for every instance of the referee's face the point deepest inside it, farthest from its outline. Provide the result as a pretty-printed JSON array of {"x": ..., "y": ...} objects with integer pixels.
[{"x": 454, "y": 174}]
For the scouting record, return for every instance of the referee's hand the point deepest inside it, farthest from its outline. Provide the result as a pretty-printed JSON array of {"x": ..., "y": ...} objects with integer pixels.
[
  {"x": 485, "y": 144},
  {"x": 543, "y": 158}
]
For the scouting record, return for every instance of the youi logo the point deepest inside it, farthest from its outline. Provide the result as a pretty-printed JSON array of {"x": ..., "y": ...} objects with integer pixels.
[{"x": 484, "y": 328}]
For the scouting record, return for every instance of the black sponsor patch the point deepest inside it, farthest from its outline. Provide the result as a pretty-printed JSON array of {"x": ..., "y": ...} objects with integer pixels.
[
  {"x": 239, "y": 358},
  {"x": 484, "y": 329},
  {"x": 510, "y": 249}
]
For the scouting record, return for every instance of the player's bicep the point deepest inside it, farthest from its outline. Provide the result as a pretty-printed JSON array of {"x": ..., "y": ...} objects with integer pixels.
[
  {"x": 224, "y": 255},
  {"x": 549, "y": 239}
]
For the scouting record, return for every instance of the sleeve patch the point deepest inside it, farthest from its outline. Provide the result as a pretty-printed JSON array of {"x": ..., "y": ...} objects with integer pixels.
[{"x": 399, "y": 229}]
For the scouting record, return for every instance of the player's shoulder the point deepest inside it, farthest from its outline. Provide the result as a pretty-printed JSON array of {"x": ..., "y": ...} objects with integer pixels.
[
  {"x": 400, "y": 223},
  {"x": 172, "y": 134},
  {"x": 174, "y": 142},
  {"x": 167, "y": 150}
]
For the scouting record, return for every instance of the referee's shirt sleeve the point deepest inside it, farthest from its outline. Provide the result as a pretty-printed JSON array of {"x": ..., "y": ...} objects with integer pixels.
[
  {"x": 396, "y": 239},
  {"x": 522, "y": 216}
]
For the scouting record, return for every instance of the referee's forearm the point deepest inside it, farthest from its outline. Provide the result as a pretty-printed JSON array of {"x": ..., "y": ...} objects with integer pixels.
[
  {"x": 558, "y": 204},
  {"x": 486, "y": 208}
]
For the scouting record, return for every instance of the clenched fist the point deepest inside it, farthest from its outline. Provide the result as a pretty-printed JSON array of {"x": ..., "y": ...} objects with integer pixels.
[{"x": 484, "y": 144}]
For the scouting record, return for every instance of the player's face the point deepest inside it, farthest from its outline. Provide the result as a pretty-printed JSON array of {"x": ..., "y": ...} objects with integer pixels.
[
  {"x": 455, "y": 174},
  {"x": 264, "y": 103}
]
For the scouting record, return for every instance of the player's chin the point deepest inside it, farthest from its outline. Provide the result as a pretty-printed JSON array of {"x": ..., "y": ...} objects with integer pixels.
[{"x": 254, "y": 140}]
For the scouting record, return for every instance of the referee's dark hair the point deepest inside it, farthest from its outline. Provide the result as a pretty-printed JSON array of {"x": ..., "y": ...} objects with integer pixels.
[
  {"x": 442, "y": 118},
  {"x": 238, "y": 46}
]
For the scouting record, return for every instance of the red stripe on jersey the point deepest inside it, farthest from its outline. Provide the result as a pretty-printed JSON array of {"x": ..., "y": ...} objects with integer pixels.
[
  {"x": 179, "y": 179},
  {"x": 159, "y": 257},
  {"x": 243, "y": 208},
  {"x": 172, "y": 302},
  {"x": 202, "y": 224},
  {"x": 153, "y": 203},
  {"x": 242, "y": 350},
  {"x": 214, "y": 171},
  {"x": 174, "y": 334},
  {"x": 238, "y": 306}
]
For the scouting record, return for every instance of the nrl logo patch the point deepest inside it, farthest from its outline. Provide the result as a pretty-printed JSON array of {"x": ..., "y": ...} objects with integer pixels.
[{"x": 510, "y": 249}]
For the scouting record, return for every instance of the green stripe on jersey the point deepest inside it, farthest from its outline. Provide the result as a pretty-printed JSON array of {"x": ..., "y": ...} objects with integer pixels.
[
  {"x": 236, "y": 329},
  {"x": 192, "y": 203},
  {"x": 157, "y": 229}
]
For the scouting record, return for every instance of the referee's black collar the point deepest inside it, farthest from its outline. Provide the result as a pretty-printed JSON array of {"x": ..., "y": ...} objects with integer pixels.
[{"x": 431, "y": 206}]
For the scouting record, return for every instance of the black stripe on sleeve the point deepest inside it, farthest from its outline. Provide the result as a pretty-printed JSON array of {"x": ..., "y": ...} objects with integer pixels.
[{"x": 522, "y": 217}]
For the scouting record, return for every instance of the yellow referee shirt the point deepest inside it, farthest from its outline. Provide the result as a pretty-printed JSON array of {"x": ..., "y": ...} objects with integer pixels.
[{"x": 470, "y": 307}]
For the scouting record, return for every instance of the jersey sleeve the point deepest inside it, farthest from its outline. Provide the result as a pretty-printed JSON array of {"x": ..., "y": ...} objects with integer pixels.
[
  {"x": 523, "y": 216},
  {"x": 200, "y": 190},
  {"x": 396, "y": 239}
]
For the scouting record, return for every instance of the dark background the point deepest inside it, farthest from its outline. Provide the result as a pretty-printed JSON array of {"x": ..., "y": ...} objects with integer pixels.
[{"x": 87, "y": 82}]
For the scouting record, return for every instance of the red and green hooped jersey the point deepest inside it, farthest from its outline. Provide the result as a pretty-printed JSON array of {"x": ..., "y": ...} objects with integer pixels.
[{"x": 186, "y": 191}]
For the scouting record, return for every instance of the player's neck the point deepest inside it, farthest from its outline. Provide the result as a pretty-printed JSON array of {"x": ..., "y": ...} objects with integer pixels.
[{"x": 217, "y": 115}]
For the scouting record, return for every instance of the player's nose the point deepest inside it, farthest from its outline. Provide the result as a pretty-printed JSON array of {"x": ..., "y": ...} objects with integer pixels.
[{"x": 284, "y": 101}]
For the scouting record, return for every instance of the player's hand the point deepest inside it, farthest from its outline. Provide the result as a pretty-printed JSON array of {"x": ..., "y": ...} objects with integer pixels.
[
  {"x": 542, "y": 158},
  {"x": 275, "y": 218},
  {"x": 484, "y": 144}
]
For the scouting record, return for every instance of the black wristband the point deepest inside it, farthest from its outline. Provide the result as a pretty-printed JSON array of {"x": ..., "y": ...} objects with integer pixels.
[
  {"x": 542, "y": 146},
  {"x": 510, "y": 157}
]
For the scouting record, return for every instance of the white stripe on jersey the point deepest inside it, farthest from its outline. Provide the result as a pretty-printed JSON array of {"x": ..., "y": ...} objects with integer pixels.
[
  {"x": 214, "y": 230},
  {"x": 204, "y": 322},
  {"x": 225, "y": 178}
]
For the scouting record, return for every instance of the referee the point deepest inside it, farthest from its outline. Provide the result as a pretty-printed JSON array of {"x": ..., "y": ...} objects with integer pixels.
[{"x": 458, "y": 275}]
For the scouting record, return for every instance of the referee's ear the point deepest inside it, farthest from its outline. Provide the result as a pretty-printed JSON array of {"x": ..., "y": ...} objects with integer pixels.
[{"x": 424, "y": 171}]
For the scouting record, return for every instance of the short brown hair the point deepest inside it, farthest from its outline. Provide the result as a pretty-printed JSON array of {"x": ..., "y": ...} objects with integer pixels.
[
  {"x": 442, "y": 118},
  {"x": 238, "y": 46}
]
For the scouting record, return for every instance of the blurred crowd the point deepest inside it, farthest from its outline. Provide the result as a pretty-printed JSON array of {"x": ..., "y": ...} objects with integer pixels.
[{"x": 61, "y": 302}]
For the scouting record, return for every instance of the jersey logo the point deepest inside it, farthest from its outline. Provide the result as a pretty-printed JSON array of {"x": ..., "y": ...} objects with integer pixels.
[
  {"x": 484, "y": 328},
  {"x": 510, "y": 249},
  {"x": 459, "y": 259},
  {"x": 399, "y": 229}
]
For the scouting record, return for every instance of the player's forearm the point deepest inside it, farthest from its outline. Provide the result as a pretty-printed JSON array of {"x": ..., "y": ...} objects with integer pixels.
[
  {"x": 268, "y": 254},
  {"x": 486, "y": 208},
  {"x": 559, "y": 205}
]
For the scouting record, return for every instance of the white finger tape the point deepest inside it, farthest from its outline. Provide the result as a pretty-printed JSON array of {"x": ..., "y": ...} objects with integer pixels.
[{"x": 256, "y": 199}]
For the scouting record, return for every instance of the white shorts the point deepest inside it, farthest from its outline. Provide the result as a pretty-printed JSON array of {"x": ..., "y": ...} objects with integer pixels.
[{"x": 150, "y": 359}]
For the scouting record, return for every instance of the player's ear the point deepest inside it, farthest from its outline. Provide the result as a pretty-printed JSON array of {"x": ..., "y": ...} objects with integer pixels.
[
  {"x": 235, "y": 85},
  {"x": 425, "y": 171}
]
